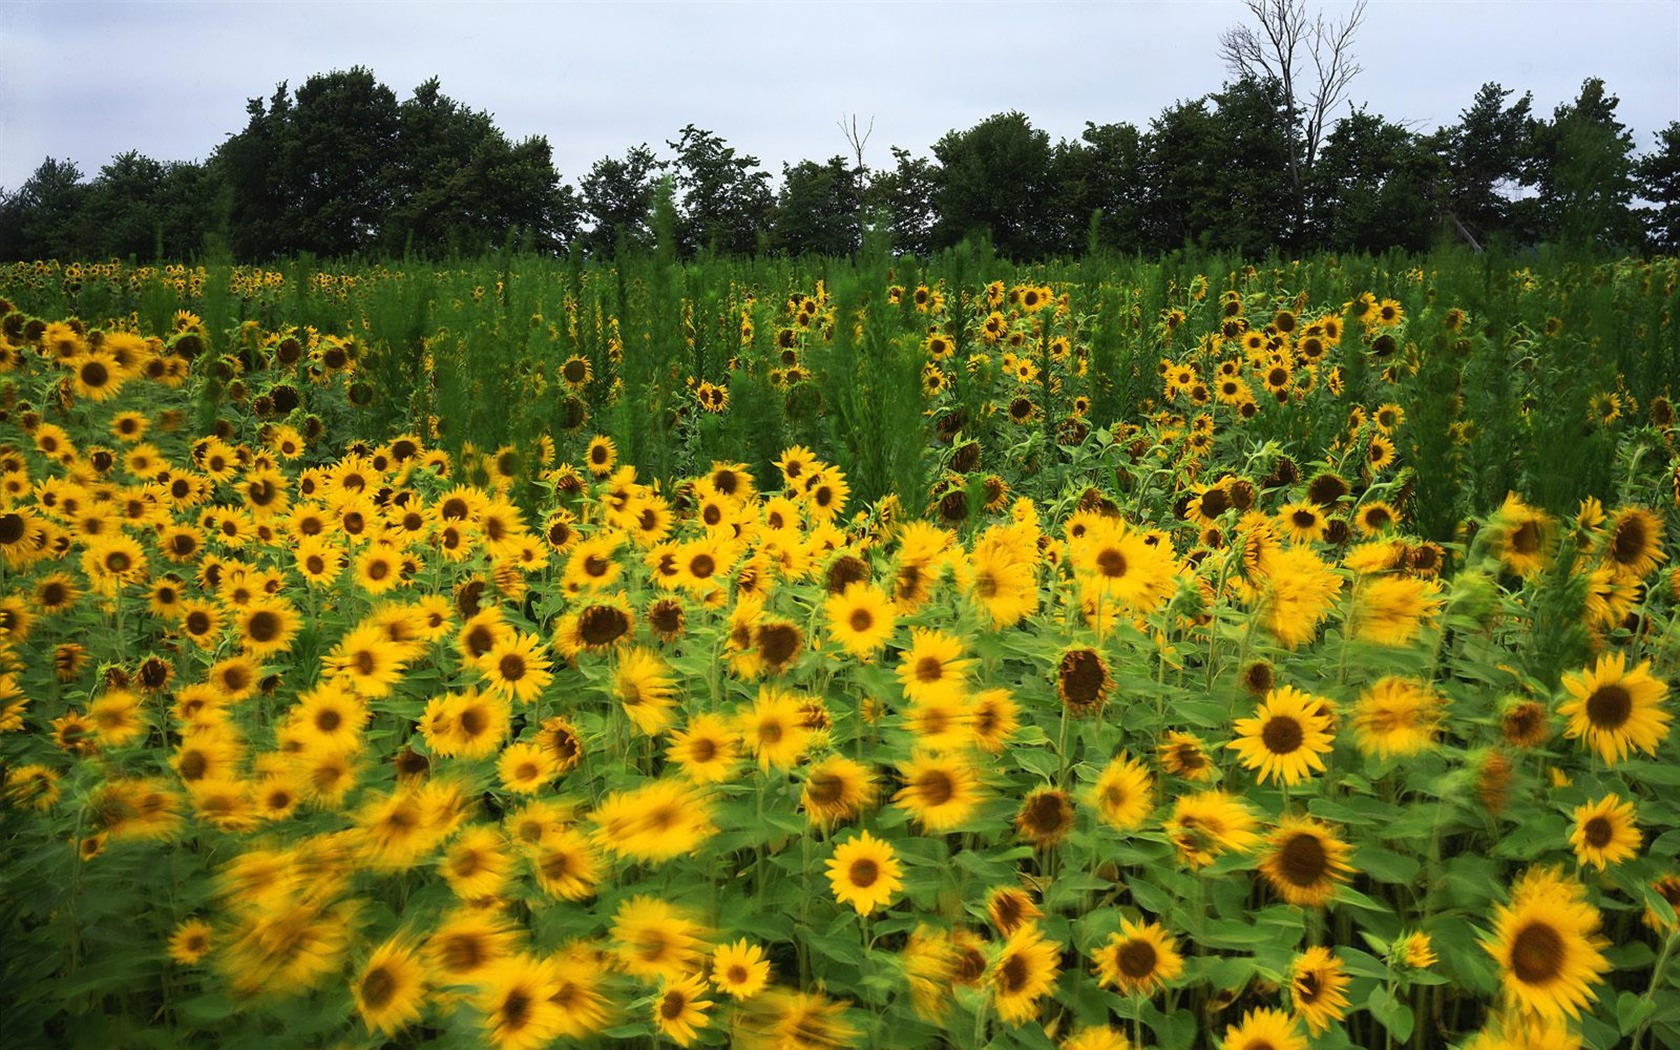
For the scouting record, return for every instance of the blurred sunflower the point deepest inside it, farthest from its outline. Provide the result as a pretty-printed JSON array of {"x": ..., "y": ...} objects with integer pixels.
[
  {"x": 1024, "y": 972},
  {"x": 1306, "y": 861},
  {"x": 1264, "y": 1029},
  {"x": 1547, "y": 946},
  {"x": 940, "y": 791},
  {"x": 836, "y": 790},
  {"x": 1318, "y": 988},
  {"x": 390, "y": 992}
]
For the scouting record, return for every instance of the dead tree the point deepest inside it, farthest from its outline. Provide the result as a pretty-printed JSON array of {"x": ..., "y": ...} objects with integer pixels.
[{"x": 1310, "y": 58}]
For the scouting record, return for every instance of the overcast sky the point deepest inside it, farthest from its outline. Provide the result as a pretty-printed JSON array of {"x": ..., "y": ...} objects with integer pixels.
[{"x": 88, "y": 80}]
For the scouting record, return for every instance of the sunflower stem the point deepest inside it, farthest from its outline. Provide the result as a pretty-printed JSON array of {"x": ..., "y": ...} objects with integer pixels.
[{"x": 1650, "y": 995}]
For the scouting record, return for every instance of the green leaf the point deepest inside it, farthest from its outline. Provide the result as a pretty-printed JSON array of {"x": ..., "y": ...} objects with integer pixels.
[
  {"x": 1386, "y": 865},
  {"x": 1391, "y": 1013},
  {"x": 1631, "y": 1011}
]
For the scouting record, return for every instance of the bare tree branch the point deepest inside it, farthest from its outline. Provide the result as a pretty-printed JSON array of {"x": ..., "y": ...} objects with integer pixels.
[
  {"x": 1279, "y": 49},
  {"x": 857, "y": 140}
]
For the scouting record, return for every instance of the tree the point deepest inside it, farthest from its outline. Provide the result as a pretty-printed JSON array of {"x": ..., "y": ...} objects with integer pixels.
[
  {"x": 313, "y": 171},
  {"x": 121, "y": 204},
  {"x": 994, "y": 178},
  {"x": 460, "y": 185},
  {"x": 726, "y": 199},
  {"x": 818, "y": 209},
  {"x": 44, "y": 219},
  {"x": 1102, "y": 171},
  {"x": 903, "y": 197},
  {"x": 1484, "y": 158},
  {"x": 343, "y": 146},
  {"x": 1216, "y": 173},
  {"x": 617, "y": 198},
  {"x": 1180, "y": 159},
  {"x": 1369, "y": 187},
  {"x": 1659, "y": 183},
  {"x": 1312, "y": 62},
  {"x": 1584, "y": 172}
]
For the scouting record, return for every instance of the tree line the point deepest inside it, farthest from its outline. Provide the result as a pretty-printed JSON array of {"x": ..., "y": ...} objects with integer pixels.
[{"x": 340, "y": 167}]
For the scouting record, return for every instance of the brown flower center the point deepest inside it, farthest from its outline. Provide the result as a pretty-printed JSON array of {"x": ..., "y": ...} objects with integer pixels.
[
  {"x": 1302, "y": 861},
  {"x": 1282, "y": 735},
  {"x": 1537, "y": 954},
  {"x": 1609, "y": 707}
]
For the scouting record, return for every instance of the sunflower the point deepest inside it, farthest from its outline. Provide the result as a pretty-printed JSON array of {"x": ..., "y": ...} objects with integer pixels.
[
  {"x": 1101, "y": 1037},
  {"x": 1618, "y": 711},
  {"x": 679, "y": 1010},
  {"x": 1547, "y": 945},
  {"x": 1318, "y": 988},
  {"x": 1306, "y": 861},
  {"x": 644, "y": 686},
  {"x": 1138, "y": 960},
  {"x": 524, "y": 767},
  {"x": 566, "y": 865},
  {"x": 601, "y": 456},
  {"x": 1185, "y": 755},
  {"x": 1394, "y": 610},
  {"x": 1605, "y": 832},
  {"x": 653, "y": 823},
  {"x": 391, "y": 991},
  {"x": 1001, "y": 572},
  {"x": 477, "y": 864},
  {"x": 367, "y": 661},
  {"x": 514, "y": 668},
  {"x": 655, "y": 940},
  {"x": 861, "y": 618},
  {"x": 513, "y": 998},
  {"x": 465, "y": 725},
  {"x": 836, "y": 789},
  {"x": 864, "y": 872},
  {"x": 1633, "y": 547},
  {"x": 1210, "y": 823},
  {"x": 1124, "y": 794},
  {"x": 1521, "y": 537},
  {"x": 1083, "y": 681},
  {"x": 934, "y": 666},
  {"x": 191, "y": 942},
  {"x": 993, "y": 719},
  {"x": 330, "y": 717},
  {"x": 576, "y": 372},
  {"x": 706, "y": 749},
  {"x": 1010, "y": 907},
  {"x": 116, "y": 717},
  {"x": 1024, "y": 972},
  {"x": 940, "y": 791},
  {"x": 112, "y": 561},
  {"x": 774, "y": 728},
  {"x": 1396, "y": 717},
  {"x": 266, "y": 625},
  {"x": 1302, "y": 522},
  {"x": 576, "y": 990},
  {"x": 1118, "y": 564},
  {"x": 1045, "y": 818},
  {"x": 1264, "y": 1029},
  {"x": 740, "y": 970},
  {"x": 1286, "y": 738},
  {"x": 379, "y": 569}
]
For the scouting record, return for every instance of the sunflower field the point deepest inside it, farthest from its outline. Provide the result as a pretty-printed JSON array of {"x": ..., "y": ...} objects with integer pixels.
[{"x": 879, "y": 653}]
